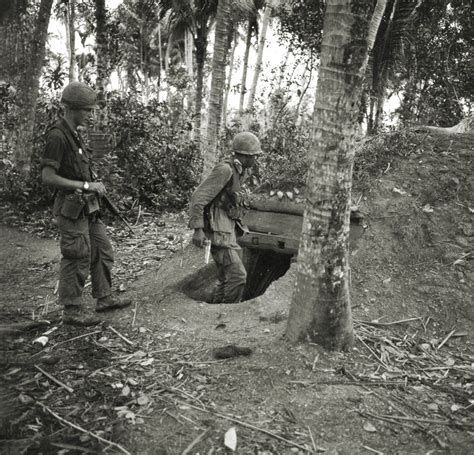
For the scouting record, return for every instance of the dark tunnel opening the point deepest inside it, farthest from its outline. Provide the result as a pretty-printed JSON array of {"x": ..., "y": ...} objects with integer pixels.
[{"x": 263, "y": 268}]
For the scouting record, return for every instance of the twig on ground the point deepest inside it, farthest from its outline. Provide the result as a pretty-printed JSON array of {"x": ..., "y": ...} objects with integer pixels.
[
  {"x": 134, "y": 313},
  {"x": 247, "y": 425},
  {"x": 370, "y": 448},
  {"x": 124, "y": 338},
  {"x": 195, "y": 442},
  {"x": 57, "y": 381},
  {"x": 312, "y": 440},
  {"x": 432, "y": 421},
  {"x": 76, "y": 338},
  {"x": 402, "y": 321},
  {"x": 83, "y": 430},
  {"x": 372, "y": 352},
  {"x": 450, "y": 334},
  {"x": 440, "y": 442}
]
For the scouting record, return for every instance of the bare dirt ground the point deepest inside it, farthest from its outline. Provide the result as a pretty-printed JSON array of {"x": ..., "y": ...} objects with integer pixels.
[{"x": 149, "y": 380}]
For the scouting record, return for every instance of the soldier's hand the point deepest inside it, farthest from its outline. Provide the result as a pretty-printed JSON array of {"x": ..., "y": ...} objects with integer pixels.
[
  {"x": 199, "y": 238},
  {"x": 97, "y": 187}
]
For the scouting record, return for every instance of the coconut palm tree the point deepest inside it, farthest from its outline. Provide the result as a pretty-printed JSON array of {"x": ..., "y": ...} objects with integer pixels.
[{"x": 320, "y": 309}]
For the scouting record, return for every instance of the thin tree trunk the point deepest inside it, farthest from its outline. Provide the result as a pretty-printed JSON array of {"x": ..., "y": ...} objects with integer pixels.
[
  {"x": 217, "y": 84},
  {"x": 201, "y": 50},
  {"x": 320, "y": 309},
  {"x": 188, "y": 52},
  {"x": 101, "y": 59},
  {"x": 233, "y": 38},
  {"x": 283, "y": 69},
  {"x": 71, "y": 38},
  {"x": 28, "y": 90},
  {"x": 258, "y": 64},
  {"x": 243, "y": 85},
  {"x": 303, "y": 92}
]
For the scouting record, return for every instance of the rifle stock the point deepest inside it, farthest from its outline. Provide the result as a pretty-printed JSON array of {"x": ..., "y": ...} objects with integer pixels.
[{"x": 115, "y": 211}]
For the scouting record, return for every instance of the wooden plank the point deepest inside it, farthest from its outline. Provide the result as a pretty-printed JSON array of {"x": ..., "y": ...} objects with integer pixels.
[
  {"x": 274, "y": 223},
  {"x": 277, "y": 243},
  {"x": 275, "y": 205}
]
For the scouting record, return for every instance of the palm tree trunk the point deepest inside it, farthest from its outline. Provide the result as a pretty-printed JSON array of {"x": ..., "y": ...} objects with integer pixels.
[
  {"x": 320, "y": 309},
  {"x": 232, "y": 42},
  {"x": 71, "y": 38},
  {"x": 188, "y": 52},
  {"x": 28, "y": 89},
  {"x": 258, "y": 63},
  {"x": 243, "y": 87},
  {"x": 217, "y": 83},
  {"x": 101, "y": 59},
  {"x": 201, "y": 50}
]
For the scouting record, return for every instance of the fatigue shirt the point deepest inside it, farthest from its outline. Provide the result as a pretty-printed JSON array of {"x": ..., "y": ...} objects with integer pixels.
[
  {"x": 217, "y": 224},
  {"x": 67, "y": 154}
]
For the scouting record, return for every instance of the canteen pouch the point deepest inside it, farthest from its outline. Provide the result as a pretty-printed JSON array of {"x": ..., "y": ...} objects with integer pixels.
[{"x": 72, "y": 206}]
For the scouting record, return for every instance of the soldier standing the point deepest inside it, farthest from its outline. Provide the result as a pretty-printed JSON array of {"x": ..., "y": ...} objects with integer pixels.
[
  {"x": 215, "y": 212},
  {"x": 84, "y": 245}
]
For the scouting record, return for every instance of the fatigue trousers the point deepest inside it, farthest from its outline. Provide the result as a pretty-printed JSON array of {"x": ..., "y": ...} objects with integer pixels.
[
  {"x": 231, "y": 275},
  {"x": 85, "y": 249}
]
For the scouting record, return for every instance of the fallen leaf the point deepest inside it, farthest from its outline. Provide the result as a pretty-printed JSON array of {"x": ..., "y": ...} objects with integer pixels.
[
  {"x": 369, "y": 427},
  {"x": 126, "y": 391},
  {"x": 456, "y": 407},
  {"x": 142, "y": 400},
  {"x": 433, "y": 407},
  {"x": 449, "y": 362},
  {"x": 427, "y": 209},
  {"x": 397, "y": 190},
  {"x": 230, "y": 438}
]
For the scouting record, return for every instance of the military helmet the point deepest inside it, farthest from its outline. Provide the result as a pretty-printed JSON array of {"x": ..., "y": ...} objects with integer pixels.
[
  {"x": 78, "y": 95},
  {"x": 246, "y": 144}
]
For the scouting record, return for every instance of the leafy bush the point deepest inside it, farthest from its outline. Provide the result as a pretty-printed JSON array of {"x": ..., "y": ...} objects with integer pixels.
[
  {"x": 155, "y": 161},
  {"x": 29, "y": 194},
  {"x": 376, "y": 153}
]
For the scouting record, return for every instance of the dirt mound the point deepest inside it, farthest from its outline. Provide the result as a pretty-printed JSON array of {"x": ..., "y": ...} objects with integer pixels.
[{"x": 416, "y": 256}]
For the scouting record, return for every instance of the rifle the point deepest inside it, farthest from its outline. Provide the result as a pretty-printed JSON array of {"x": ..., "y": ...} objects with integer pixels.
[{"x": 115, "y": 211}]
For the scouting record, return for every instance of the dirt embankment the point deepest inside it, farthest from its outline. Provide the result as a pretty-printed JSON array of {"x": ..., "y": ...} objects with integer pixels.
[{"x": 416, "y": 256}]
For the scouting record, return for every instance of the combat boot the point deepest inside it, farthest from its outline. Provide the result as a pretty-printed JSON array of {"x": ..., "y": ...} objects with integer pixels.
[
  {"x": 111, "y": 303},
  {"x": 74, "y": 315}
]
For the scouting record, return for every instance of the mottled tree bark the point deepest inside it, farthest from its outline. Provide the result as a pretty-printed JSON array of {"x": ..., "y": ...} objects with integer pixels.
[
  {"x": 217, "y": 84},
  {"x": 320, "y": 310},
  {"x": 243, "y": 85},
  {"x": 28, "y": 89}
]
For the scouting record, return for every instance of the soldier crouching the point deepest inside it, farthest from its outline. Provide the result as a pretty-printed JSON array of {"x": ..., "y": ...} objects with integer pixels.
[{"x": 84, "y": 244}]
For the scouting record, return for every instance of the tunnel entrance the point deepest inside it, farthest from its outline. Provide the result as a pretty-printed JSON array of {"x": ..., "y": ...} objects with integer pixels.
[{"x": 263, "y": 268}]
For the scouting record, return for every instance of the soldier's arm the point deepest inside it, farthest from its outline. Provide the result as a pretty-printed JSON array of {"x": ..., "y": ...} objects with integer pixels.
[
  {"x": 51, "y": 163},
  {"x": 206, "y": 192}
]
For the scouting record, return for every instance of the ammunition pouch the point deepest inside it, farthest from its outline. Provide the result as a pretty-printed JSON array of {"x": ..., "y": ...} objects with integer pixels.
[
  {"x": 91, "y": 203},
  {"x": 72, "y": 206}
]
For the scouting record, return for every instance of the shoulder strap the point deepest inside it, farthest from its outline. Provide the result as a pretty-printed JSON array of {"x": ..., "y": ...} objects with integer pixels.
[
  {"x": 75, "y": 142},
  {"x": 236, "y": 187}
]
